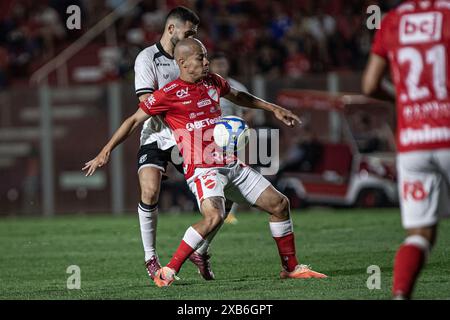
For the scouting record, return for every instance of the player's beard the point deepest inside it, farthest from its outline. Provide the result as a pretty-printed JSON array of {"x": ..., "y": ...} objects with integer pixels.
[{"x": 174, "y": 40}]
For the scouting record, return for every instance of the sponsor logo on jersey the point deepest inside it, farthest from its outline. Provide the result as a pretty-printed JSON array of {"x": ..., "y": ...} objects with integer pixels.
[
  {"x": 426, "y": 134},
  {"x": 162, "y": 64},
  {"x": 150, "y": 101},
  {"x": 182, "y": 93},
  {"x": 212, "y": 93},
  {"x": 194, "y": 115},
  {"x": 420, "y": 27},
  {"x": 204, "y": 102},
  {"x": 165, "y": 76},
  {"x": 187, "y": 102},
  {"x": 172, "y": 86},
  {"x": 214, "y": 109},
  {"x": 190, "y": 126},
  {"x": 142, "y": 159}
]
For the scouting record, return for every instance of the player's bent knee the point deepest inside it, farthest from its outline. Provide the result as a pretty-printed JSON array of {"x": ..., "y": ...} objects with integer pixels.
[
  {"x": 281, "y": 207},
  {"x": 150, "y": 195}
]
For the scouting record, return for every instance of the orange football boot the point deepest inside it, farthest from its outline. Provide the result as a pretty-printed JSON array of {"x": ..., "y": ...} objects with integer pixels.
[{"x": 301, "y": 271}]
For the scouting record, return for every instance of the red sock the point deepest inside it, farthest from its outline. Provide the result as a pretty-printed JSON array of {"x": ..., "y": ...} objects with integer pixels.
[
  {"x": 408, "y": 263},
  {"x": 286, "y": 249},
  {"x": 180, "y": 256}
]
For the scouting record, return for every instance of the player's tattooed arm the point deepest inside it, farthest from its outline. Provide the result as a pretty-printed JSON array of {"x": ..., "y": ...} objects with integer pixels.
[
  {"x": 124, "y": 131},
  {"x": 248, "y": 100}
]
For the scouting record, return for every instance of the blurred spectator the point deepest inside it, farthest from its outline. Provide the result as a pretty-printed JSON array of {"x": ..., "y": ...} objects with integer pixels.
[
  {"x": 50, "y": 29},
  {"x": 296, "y": 64}
]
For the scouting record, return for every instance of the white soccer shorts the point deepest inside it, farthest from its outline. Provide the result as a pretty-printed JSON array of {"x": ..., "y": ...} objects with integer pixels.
[
  {"x": 236, "y": 182},
  {"x": 424, "y": 178}
]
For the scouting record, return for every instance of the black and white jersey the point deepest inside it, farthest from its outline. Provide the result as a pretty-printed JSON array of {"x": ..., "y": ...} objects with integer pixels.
[
  {"x": 228, "y": 107},
  {"x": 154, "y": 68}
]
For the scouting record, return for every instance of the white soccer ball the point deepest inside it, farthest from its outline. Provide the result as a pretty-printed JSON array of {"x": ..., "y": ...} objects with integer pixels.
[{"x": 231, "y": 133}]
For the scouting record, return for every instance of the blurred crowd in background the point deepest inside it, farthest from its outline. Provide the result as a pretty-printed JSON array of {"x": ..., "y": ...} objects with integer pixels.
[{"x": 271, "y": 38}]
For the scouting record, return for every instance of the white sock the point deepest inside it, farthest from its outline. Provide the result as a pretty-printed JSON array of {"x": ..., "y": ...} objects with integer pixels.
[
  {"x": 281, "y": 229},
  {"x": 192, "y": 238},
  {"x": 148, "y": 219},
  {"x": 204, "y": 247}
]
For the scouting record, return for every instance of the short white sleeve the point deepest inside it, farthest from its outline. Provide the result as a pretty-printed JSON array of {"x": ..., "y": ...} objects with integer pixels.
[{"x": 145, "y": 79}]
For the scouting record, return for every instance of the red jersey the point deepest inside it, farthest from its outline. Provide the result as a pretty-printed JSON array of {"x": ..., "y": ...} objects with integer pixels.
[
  {"x": 415, "y": 38},
  {"x": 191, "y": 111}
]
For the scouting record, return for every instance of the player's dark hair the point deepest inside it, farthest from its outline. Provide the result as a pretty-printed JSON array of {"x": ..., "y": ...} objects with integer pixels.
[
  {"x": 183, "y": 14},
  {"x": 218, "y": 55}
]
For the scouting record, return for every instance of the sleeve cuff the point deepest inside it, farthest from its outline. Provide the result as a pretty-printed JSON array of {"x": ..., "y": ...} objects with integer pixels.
[{"x": 140, "y": 92}]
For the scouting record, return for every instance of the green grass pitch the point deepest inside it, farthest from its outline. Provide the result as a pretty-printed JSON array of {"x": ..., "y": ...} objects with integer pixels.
[{"x": 35, "y": 254}]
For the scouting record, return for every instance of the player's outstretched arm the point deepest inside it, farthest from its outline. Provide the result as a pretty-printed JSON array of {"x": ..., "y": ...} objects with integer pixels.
[
  {"x": 124, "y": 131},
  {"x": 372, "y": 80},
  {"x": 248, "y": 100}
]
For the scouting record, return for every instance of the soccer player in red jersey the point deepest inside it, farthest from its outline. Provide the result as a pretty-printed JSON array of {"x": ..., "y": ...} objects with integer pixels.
[
  {"x": 190, "y": 107},
  {"x": 414, "y": 40}
]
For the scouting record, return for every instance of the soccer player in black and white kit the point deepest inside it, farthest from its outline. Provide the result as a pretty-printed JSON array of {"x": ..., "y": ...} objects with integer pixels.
[{"x": 154, "y": 68}]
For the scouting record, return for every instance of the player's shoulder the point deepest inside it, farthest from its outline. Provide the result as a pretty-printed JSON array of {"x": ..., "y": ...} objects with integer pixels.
[
  {"x": 147, "y": 55},
  {"x": 412, "y": 6},
  {"x": 405, "y": 13},
  {"x": 214, "y": 79}
]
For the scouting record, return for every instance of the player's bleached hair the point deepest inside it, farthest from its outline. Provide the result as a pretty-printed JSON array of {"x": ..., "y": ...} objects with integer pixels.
[{"x": 183, "y": 14}]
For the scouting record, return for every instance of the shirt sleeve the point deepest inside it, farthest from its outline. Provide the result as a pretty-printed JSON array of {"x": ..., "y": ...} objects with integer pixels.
[
  {"x": 145, "y": 80},
  {"x": 222, "y": 85},
  {"x": 155, "y": 104},
  {"x": 379, "y": 41}
]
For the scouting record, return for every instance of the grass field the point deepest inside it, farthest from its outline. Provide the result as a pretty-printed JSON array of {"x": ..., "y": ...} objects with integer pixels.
[{"x": 35, "y": 254}]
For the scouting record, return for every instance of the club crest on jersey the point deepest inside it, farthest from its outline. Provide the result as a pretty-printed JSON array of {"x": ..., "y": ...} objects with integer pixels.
[
  {"x": 210, "y": 184},
  {"x": 182, "y": 93},
  {"x": 212, "y": 93},
  {"x": 420, "y": 27}
]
